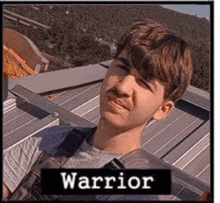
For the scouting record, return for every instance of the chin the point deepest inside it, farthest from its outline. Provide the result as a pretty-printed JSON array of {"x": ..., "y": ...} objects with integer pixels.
[
  {"x": 116, "y": 122},
  {"x": 113, "y": 120}
]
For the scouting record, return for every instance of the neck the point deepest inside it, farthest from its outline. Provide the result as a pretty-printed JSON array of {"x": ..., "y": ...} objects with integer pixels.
[{"x": 116, "y": 140}]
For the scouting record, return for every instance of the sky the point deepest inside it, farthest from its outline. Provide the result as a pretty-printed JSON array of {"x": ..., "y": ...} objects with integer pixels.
[{"x": 193, "y": 9}]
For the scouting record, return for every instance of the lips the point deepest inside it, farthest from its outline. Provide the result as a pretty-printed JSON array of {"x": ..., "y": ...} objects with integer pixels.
[{"x": 119, "y": 103}]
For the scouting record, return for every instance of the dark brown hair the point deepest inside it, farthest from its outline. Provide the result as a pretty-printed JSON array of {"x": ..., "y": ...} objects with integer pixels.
[{"x": 158, "y": 54}]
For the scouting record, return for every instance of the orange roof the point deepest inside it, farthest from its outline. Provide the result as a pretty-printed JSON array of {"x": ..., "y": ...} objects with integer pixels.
[{"x": 14, "y": 65}]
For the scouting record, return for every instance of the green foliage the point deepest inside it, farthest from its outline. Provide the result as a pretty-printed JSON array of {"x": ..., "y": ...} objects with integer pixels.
[{"x": 76, "y": 28}]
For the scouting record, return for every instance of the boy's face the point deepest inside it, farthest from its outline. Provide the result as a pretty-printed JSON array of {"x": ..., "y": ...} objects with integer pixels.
[{"x": 127, "y": 100}]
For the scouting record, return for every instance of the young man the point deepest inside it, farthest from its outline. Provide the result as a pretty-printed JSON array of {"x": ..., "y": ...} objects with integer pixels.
[{"x": 150, "y": 71}]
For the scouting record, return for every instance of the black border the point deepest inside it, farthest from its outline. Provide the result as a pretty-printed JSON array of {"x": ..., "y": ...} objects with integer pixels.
[{"x": 211, "y": 3}]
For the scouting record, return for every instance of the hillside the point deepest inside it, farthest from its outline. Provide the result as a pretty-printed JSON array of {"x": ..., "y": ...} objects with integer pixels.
[{"x": 83, "y": 34}]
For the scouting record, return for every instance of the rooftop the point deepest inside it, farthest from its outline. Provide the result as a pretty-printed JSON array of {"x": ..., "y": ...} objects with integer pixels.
[{"x": 182, "y": 140}]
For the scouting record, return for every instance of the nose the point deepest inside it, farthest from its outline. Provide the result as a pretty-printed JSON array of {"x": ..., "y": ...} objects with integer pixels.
[{"x": 125, "y": 86}]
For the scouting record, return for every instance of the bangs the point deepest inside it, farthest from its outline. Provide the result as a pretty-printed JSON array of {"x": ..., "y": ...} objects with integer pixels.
[
  {"x": 158, "y": 54},
  {"x": 166, "y": 61},
  {"x": 146, "y": 65}
]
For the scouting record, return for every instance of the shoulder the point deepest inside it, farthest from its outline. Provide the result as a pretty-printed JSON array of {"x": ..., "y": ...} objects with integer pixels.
[{"x": 54, "y": 136}]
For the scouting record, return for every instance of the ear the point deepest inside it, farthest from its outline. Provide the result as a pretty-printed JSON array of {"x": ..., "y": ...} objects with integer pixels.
[{"x": 164, "y": 110}]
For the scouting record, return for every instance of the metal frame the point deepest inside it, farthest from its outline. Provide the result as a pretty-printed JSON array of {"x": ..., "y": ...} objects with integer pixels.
[{"x": 55, "y": 110}]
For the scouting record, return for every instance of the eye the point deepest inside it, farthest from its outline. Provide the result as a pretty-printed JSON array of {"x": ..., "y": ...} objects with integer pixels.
[
  {"x": 123, "y": 67},
  {"x": 144, "y": 84}
]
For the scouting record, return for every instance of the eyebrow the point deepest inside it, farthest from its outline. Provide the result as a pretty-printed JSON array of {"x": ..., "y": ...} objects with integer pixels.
[{"x": 124, "y": 61}]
